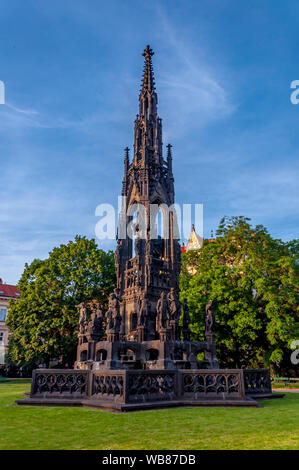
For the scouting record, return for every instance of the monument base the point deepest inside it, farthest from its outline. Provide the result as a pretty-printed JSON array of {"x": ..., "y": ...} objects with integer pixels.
[
  {"x": 129, "y": 390},
  {"x": 154, "y": 354}
]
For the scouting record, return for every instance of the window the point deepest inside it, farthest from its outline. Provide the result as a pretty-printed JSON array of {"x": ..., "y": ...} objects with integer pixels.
[
  {"x": 1, "y": 338},
  {"x": 101, "y": 355},
  {"x": 3, "y": 314},
  {"x": 133, "y": 321},
  {"x": 152, "y": 354},
  {"x": 83, "y": 356}
]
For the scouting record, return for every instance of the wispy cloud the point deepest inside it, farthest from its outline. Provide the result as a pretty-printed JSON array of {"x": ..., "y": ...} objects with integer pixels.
[
  {"x": 26, "y": 112},
  {"x": 191, "y": 92},
  {"x": 14, "y": 117}
]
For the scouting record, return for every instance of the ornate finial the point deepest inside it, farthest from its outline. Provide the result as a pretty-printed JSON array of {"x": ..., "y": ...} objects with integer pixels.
[
  {"x": 148, "y": 52},
  {"x": 126, "y": 166},
  {"x": 148, "y": 82},
  {"x": 169, "y": 146}
]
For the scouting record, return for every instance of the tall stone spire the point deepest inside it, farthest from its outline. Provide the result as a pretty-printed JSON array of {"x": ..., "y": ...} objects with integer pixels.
[
  {"x": 148, "y": 126},
  {"x": 149, "y": 264}
]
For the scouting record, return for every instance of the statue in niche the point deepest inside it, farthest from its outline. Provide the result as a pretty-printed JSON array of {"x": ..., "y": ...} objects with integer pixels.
[
  {"x": 82, "y": 319},
  {"x": 112, "y": 312},
  {"x": 209, "y": 321},
  {"x": 95, "y": 326},
  {"x": 110, "y": 322},
  {"x": 174, "y": 305},
  {"x": 143, "y": 310},
  {"x": 162, "y": 312},
  {"x": 117, "y": 322}
]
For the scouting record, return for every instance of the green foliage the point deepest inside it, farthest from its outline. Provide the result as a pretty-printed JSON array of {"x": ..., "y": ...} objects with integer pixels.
[
  {"x": 253, "y": 280},
  {"x": 44, "y": 320}
]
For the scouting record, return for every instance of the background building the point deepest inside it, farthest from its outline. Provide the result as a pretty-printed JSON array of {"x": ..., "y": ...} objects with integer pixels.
[
  {"x": 195, "y": 241},
  {"x": 6, "y": 292}
]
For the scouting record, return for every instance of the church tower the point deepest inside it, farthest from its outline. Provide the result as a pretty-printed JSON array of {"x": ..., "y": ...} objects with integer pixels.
[{"x": 147, "y": 260}]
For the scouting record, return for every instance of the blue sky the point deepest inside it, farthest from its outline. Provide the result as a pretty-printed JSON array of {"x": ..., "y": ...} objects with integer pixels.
[{"x": 72, "y": 71}]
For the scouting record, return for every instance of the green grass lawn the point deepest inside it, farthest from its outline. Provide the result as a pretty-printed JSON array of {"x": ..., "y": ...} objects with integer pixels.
[{"x": 275, "y": 426}]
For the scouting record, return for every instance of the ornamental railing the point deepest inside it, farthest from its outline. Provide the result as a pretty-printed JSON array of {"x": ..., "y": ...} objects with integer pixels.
[
  {"x": 53, "y": 383},
  {"x": 137, "y": 386},
  {"x": 257, "y": 381},
  {"x": 220, "y": 384},
  {"x": 108, "y": 385},
  {"x": 151, "y": 385}
]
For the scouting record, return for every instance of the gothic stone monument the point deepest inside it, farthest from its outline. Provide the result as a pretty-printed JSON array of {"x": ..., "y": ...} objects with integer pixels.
[
  {"x": 138, "y": 354},
  {"x": 143, "y": 329}
]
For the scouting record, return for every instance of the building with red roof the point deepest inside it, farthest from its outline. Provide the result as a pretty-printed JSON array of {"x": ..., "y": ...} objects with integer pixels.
[{"x": 7, "y": 292}]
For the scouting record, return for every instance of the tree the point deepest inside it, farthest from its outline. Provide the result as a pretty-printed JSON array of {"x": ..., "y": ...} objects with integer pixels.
[
  {"x": 43, "y": 322},
  {"x": 253, "y": 280}
]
